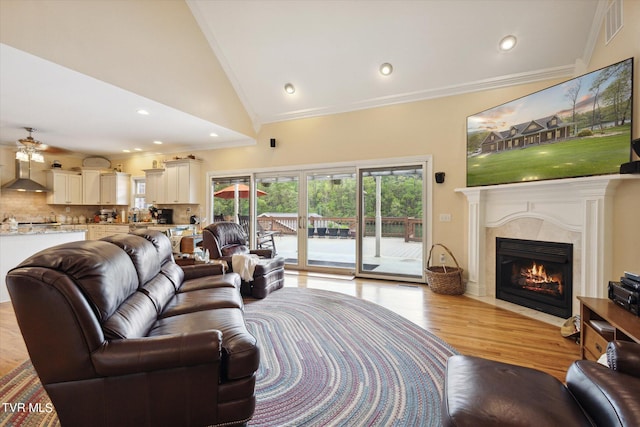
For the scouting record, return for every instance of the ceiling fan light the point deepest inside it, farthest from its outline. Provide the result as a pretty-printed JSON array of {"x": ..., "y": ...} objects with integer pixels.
[
  {"x": 289, "y": 88},
  {"x": 508, "y": 43},
  {"x": 386, "y": 69}
]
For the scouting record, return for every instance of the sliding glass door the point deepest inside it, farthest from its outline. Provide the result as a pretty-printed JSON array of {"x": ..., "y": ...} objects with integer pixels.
[
  {"x": 367, "y": 221},
  {"x": 277, "y": 213},
  {"x": 391, "y": 227},
  {"x": 331, "y": 219}
]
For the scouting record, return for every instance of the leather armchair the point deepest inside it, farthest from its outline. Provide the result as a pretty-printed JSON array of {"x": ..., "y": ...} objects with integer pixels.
[{"x": 225, "y": 239}]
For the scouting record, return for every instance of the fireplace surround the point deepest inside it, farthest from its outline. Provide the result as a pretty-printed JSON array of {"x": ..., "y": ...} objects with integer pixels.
[
  {"x": 579, "y": 207},
  {"x": 535, "y": 274}
]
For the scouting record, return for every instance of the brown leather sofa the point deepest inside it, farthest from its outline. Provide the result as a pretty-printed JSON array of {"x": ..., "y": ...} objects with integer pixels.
[
  {"x": 480, "y": 392},
  {"x": 120, "y": 335},
  {"x": 225, "y": 239}
]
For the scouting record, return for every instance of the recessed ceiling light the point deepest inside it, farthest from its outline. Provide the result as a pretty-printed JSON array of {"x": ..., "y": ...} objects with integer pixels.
[
  {"x": 289, "y": 88},
  {"x": 507, "y": 43},
  {"x": 386, "y": 69},
  {"x": 157, "y": 142},
  {"x": 126, "y": 151},
  {"x": 143, "y": 112},
  {"x": 213, "y": 134},
  {"x": 138, "y": 149}
]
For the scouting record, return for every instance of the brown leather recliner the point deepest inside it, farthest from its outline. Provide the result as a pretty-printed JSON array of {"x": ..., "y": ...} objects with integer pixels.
[
  {"x": 225, "y": 239},
  {"x": 481, "y": 392},
  {"x": 120, "y": 335}
]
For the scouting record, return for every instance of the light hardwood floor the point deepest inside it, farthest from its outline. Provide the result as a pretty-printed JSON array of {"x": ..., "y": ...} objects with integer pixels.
[{"x": 472, "y": 327}]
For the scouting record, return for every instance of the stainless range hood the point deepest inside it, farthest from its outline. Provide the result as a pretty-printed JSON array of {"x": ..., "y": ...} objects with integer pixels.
[{"x": 23, "y": 181}]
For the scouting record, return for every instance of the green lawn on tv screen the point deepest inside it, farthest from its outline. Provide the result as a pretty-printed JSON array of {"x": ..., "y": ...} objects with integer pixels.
[{"x": 598, "y": 155}]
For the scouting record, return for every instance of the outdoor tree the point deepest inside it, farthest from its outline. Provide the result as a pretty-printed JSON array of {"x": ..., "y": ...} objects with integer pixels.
[
  {"x": 617, "y": 96},
  {"x": 572, "y": 93}
]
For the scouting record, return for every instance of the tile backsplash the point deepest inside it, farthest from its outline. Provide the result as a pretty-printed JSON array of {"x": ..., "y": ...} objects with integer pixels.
[{"x": 26, "y": 206}]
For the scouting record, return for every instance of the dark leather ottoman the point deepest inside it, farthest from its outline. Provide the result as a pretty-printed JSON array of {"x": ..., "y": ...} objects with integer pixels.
[
  {"x": 268, "y": 276},
  {"x": 480, "y": 392}
]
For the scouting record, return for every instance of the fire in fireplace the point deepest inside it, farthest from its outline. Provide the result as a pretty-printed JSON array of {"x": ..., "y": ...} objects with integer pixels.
[{"x": 535, "y": 274}]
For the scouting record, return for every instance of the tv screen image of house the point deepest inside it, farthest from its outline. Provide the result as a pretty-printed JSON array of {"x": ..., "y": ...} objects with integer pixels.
[{"x": 581, "y": 127}]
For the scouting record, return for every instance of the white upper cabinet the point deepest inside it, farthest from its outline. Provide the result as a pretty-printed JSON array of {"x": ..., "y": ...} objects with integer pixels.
[
  {"x": 183, "y": 181},
  {"x": 114, "y": 188},
  {"x": 154, "y": 186},
  {"x": 65, "y": 186},
  {"x": 91, "y": 186}
]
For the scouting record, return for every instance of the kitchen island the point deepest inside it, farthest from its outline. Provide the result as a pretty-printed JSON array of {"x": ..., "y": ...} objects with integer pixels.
[{"x": 15, "y": 247}]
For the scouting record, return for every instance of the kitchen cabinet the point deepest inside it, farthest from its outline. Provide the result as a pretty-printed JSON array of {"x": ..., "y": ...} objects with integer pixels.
[
  {"x": 154, "y": 192},
  {"x": 65, "y": 186},
  {"x": 98, "y": 231},
  {"x": 183, "y": 181},
  {"x": 91, "y": 186},
  {"x": 114, "y": 188}
]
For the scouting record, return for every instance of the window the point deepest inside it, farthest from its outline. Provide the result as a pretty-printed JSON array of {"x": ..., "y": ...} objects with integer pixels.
[{"x": 139, "y": 201}]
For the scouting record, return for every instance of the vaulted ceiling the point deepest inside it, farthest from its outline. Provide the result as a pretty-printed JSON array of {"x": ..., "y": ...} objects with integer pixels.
[{"x": 330, "y": 51}]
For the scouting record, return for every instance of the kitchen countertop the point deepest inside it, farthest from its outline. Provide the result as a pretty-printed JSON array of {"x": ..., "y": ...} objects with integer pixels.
[
  {"x": 53, "y": 228},
  {"x": 40, "y": 231}
]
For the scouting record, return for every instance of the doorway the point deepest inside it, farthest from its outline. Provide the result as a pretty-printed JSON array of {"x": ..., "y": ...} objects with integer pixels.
[
  {"x": 331, "y": 219},
  {"x": 277, "y": 213},
  {"x": 392, "y": 216},
  {"x": 365, "y": 221}
]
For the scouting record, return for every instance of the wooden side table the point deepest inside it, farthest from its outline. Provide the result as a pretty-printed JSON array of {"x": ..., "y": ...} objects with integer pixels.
[{"x": 619, "y": 323}]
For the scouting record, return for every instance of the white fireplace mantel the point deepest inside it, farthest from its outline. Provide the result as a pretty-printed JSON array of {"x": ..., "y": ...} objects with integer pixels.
[{"x": 580, "y": 205}]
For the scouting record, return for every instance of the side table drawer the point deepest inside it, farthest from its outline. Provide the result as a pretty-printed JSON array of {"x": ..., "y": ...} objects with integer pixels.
[{"x": 594, "y": 343}]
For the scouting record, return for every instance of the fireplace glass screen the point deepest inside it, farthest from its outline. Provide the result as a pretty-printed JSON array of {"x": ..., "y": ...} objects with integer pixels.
[{"x": 535, "y": 274}]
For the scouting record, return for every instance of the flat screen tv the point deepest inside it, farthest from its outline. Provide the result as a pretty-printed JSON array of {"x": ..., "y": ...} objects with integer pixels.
[{"x": 581, "y": 127}]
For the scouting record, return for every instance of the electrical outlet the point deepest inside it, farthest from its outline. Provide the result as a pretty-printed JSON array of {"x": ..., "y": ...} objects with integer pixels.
[
  {"x": 188, "y": 210},
  {"x": 443, "y": 258},
  {"x": 445, "y": 217},
  {"x": 67, "y": 209}
]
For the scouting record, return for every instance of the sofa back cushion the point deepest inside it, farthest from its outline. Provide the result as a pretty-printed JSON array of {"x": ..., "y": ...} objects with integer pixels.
[
  {"x": 168, "y": 267},
  {"x": 174, "y": 273},
  {"x": 160, "y": 241},
  {"x": 150, "y": 252},
  {"x": 143, "y": 254},
  {"x": 132, "y": 319}
]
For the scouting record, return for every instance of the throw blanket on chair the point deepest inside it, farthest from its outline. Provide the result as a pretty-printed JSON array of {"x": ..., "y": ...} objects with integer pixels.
[{"x": 244, "y": 265}]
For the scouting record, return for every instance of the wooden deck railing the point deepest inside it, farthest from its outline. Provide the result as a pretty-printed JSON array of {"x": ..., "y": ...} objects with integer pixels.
[{"x": 407, "y": 227}]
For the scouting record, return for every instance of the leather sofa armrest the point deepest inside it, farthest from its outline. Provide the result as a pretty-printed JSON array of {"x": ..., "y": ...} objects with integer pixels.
[
  {"x": 201, "y": 270},
  {"x": 129, "y": 356},
  {"x": 624, "y": 356},
  {"x": 264, "y": 253}
]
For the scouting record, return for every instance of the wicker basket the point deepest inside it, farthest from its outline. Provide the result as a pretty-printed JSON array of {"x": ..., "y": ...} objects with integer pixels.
[{"x": 443, "y": 279}]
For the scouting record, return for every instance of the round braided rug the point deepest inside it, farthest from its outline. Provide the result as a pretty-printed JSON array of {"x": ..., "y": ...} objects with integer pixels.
[{"x": 329, "y": 359}]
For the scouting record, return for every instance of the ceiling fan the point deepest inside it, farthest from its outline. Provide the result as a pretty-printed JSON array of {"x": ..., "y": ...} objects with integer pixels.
[{"x": 31, "y": 148}]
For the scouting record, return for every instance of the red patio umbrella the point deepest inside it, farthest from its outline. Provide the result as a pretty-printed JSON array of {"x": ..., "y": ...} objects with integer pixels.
[{"x": 243, "y": 192}]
